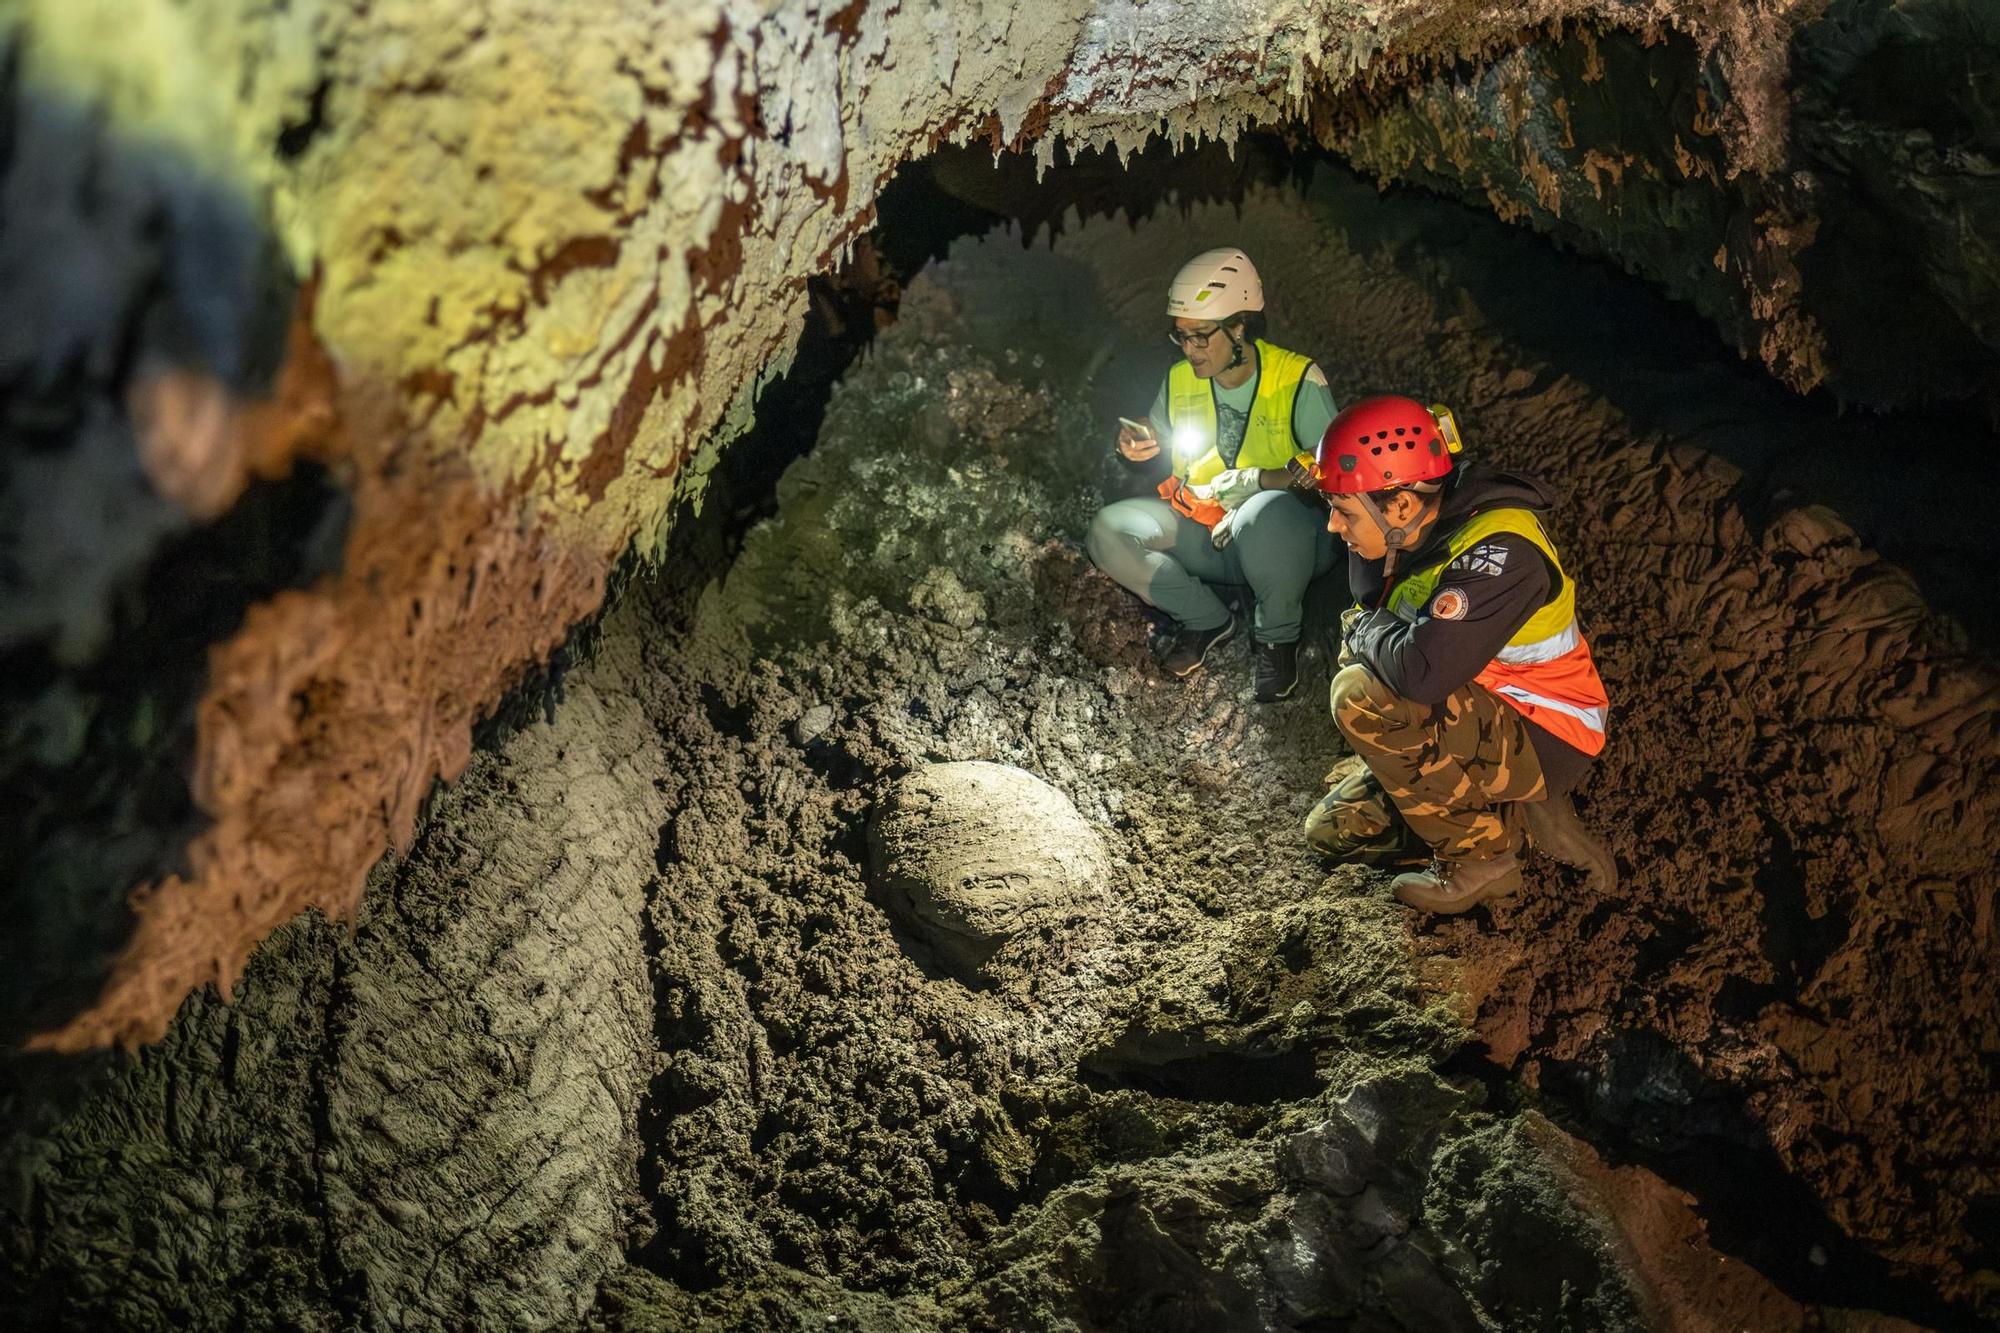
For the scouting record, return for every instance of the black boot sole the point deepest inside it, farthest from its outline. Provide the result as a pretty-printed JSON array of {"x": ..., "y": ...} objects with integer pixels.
[{"x": 1228, "y": 633}]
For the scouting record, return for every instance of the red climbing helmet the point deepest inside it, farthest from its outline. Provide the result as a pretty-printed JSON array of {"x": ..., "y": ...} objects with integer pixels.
[{"x": 1383, "y": 443}]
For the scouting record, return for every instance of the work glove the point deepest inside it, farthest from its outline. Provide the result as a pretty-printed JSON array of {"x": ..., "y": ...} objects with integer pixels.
[
  {"x": 1348, "y": 619},
  {"x": 1235, "y": 486},
  {"x": 1224, "y": 531}
]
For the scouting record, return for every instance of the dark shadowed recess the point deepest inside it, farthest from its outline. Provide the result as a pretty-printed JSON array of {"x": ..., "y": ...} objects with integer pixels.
[
  {"x": 95, "y": 775},
  {"x": 1642, "y": 1101},
  {"x": 1639, "y": 1101},
  {"x": 120, "y": 261},
  {"x": 1236, "y": 1077}
]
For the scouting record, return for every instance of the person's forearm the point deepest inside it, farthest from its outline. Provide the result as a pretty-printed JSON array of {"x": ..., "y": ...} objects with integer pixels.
[{"x": 1428, "y": 658}]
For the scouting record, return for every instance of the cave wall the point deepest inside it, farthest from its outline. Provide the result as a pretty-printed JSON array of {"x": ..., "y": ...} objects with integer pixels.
[
  {"x": 528, "y": 257},
  {"x": 430, "y": 1120},
  {"x": 529, "y": 254},
  {"x": 1825, "y": 195},
  {"x": 824, "y": 1101},
  {"x": 834, "y": 1126}
]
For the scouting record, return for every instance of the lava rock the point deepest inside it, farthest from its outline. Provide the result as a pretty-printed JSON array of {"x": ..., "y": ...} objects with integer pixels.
[
  {"x": 1381, "y": 1131},
  {"x": 813, "y": 724},
  {"x": 943, "y": 599},
  {"x": 1330, "y": 1155},
  {"x": 1318, "y": 1273},
  {"x": 971, "y": 854},
  {"x": 1529, "y": 1246}
]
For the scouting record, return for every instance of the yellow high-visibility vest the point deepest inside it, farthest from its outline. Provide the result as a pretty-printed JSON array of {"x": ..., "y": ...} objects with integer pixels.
[{"x": 1267, "y": 438}]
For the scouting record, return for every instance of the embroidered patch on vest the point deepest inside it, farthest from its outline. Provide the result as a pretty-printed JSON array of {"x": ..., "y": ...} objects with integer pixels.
[
  {"x": 1450, "y": 604},
  {"x": 1485, "y": 558}
]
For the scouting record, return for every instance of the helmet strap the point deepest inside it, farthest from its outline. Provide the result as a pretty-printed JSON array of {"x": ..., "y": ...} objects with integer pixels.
[
  {"x": 1235, "y": 346},
  {"x": 1394, "y": 539}
]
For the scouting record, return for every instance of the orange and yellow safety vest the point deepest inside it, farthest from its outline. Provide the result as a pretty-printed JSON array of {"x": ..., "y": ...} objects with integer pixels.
[{"x": 1545, "y": 669}]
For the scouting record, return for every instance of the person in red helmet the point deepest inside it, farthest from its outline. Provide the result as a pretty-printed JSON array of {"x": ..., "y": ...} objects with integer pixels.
[{"x": 1464, "y": 686}]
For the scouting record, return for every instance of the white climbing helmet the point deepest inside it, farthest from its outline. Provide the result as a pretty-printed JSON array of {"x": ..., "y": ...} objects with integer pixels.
[{"x": 1215, "y": 284}]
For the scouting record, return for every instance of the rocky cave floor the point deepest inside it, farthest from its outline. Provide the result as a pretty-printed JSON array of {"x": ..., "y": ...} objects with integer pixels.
[{"x": 639, "y": 948}]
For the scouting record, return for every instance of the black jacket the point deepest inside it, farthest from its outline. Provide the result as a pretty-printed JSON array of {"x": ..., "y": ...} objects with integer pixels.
[{"x": 1502, "y": 581}]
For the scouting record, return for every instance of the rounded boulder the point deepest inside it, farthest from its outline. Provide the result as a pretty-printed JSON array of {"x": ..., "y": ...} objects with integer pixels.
[{"x": 971, "y": 854}]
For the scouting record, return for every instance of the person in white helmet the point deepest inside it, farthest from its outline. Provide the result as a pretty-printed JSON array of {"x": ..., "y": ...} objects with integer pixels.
[{"x": 1228, "y": 418}]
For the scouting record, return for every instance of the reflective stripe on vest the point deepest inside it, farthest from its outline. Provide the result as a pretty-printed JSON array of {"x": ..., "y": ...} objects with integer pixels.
[
  {"x": 1563, "y": 695},
  {"x": 1562, "y": 641},
  {"x": 1267, "y": 437},
  {"x": 1545, "y": 670},
  {"x": 1591, "y": 718}
]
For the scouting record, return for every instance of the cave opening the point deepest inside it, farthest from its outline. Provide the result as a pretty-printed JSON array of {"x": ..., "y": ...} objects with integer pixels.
[{"x": 850, "y": 923}]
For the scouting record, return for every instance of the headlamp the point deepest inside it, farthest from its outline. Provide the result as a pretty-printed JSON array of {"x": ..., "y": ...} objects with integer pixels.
[{"x": 1448, "y": 428}]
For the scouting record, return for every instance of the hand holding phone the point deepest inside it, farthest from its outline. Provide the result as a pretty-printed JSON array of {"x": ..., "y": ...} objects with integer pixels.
[{"x": 1136, "y": 441}]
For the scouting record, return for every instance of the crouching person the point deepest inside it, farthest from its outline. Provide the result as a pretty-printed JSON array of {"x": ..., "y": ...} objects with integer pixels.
[
  {"x": 1238, "y": 409},
  {"x": 1467, "y": 692}
]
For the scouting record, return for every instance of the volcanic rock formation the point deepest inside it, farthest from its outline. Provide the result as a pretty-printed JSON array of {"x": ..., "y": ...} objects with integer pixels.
[
  {"x": 531, "y": 258},
  {"x": 351, "y": 346},
  {"x": 1225, "y": 1096},
  {"x": 972, "y": 854}
]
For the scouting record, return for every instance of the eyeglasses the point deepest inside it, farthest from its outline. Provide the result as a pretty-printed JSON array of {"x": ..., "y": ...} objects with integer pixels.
[{"x": 1195, "y": 338}]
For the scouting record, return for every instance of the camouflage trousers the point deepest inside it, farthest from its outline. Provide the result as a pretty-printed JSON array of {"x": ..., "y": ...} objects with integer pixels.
[{"x": 1444, "y": 779}]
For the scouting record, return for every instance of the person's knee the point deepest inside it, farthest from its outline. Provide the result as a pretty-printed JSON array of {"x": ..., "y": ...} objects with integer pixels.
[
  {"x": 1268, "y": 519},
  {"x": 1106, "y": 539},
  {"x": 1277, "y": 557},
  {"x": 1355, "y": 825},
  {"x": 1356, "y": 690},
  {"x": 1332, "y": 832},
  {"x": 1365, "y": 708},
  {"x": 1329, "y": 825},
  {"x": 1262, "y": 504}
]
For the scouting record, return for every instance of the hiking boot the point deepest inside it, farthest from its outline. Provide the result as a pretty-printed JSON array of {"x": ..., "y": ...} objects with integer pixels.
[
  {"x": 1455, "y": 886},
  {"x": 1555, "y": 831},
  {"x": 1190, "y": 647},
  {"x": 1277, "y": 671}
]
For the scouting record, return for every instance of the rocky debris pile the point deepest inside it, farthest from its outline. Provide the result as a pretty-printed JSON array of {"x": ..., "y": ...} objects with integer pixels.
[
  {"x": 973, "y": 854},
  {"x": 1371, "y": 1213}
]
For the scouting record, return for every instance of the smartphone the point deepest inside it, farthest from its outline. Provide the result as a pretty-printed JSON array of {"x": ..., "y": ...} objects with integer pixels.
[{"x": 1139, "y": 428}]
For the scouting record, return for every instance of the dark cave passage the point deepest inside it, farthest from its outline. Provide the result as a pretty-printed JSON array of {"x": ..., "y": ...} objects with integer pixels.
[
  {"x": 1908, "y": 482},
  {"x": 665, "y": 1021},
  {"x": 1534, "y": 303},
  {"x": 1660, "y": 372}
]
